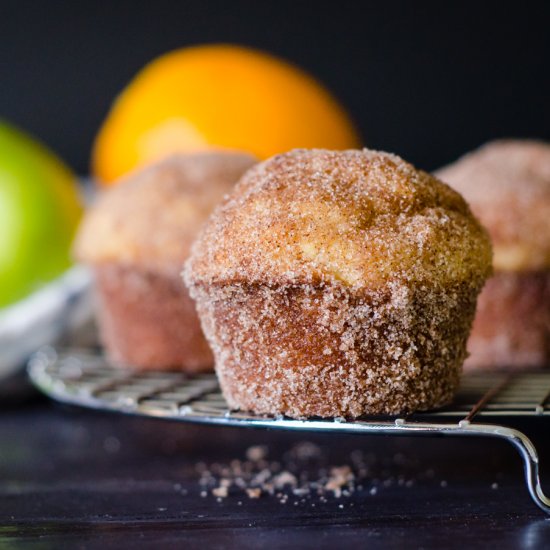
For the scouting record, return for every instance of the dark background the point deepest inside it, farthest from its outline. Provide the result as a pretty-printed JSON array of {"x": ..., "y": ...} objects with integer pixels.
[{"x": 428, "y": 80}]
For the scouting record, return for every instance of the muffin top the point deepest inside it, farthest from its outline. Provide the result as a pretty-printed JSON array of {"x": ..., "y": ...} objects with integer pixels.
[
  {"x": 357, "y": 218},
  {"x": 151, "y": 219},
  {"x": 507, "y": 184}
]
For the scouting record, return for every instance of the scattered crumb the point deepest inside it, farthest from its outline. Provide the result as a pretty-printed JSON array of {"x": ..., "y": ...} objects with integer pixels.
[
  {"x": 339, "y": 477},
  {"x": 256, "y": 453},
  {"x": 220, "y": 492},
  {"x": 254, "y": 492},
  {"x": 304, "y": 475}
]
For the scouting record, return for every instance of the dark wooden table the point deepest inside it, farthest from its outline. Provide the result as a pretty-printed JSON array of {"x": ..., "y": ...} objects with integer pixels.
[{"x": 76, "y": 478}]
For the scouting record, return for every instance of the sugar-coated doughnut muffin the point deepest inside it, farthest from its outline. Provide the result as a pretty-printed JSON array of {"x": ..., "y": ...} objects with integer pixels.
[
  {"x": 507, "y": 184},
  {"x": 338, "y": 283},
  {"x": 136, "y": 238}
]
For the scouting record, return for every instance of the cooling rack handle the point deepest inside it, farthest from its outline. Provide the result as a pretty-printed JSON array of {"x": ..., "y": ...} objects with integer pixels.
[
  {"x": 525, "y": 448},
  {"x": 518, "y": 439},
  {"x": 531, "y": 467}
]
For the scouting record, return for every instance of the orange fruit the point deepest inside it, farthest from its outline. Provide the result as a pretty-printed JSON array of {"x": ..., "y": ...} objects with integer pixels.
[{"x": 220, "y": 96}]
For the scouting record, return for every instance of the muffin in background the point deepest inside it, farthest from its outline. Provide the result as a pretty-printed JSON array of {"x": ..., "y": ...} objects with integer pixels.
[
  {"x": 507, "y": 184},
  {"x": 338, "y": 284},
  {"x": 136, "y": 238}
]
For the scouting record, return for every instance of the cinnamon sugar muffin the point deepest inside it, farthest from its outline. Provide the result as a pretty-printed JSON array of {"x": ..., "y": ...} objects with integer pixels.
[
  {"x": 136, "y": 239},
  {"x": 338, "y": 284},
  {"x": 507, "y": 184}
]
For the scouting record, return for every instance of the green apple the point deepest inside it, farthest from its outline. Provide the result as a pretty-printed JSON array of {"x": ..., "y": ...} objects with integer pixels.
[{"x": 39, "y": 212}]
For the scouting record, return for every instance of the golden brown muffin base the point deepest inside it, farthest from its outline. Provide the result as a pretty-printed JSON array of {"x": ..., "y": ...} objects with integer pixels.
[
  {"x": 148, "y": 321},
  {"x": 323, "y": 350},
  {"x": 512, "y": 324}
]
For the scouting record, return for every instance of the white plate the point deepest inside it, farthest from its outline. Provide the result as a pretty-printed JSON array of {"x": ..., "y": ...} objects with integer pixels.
[{"x": 43, "y": 317}]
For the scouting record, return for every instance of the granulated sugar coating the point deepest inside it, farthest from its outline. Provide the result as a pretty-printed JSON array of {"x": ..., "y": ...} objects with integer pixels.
[
  {"x": 338, "y": 284},
  {"x": 354, "y": 217},
  {"x": 507, "y": 184}
]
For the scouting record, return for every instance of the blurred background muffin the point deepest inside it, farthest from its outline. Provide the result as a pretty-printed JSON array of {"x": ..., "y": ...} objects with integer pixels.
[
  {"x": 507, "y": 184},
  {"x": 136, "y": 239}
]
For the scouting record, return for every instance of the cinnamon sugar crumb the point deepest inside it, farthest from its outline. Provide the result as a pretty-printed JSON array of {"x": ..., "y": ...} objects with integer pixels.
[
  {"x": 220, "y": 492},
  {"x": 256, "y": 453},
  {"x": 306, "y": 475}
]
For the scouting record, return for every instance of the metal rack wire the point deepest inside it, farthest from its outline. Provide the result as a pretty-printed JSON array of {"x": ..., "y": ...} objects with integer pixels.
[{"x": 85, "y": 378}]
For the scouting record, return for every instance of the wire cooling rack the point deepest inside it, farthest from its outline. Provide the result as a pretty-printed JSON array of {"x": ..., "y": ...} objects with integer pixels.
[{"x": 85, "y": 378}]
